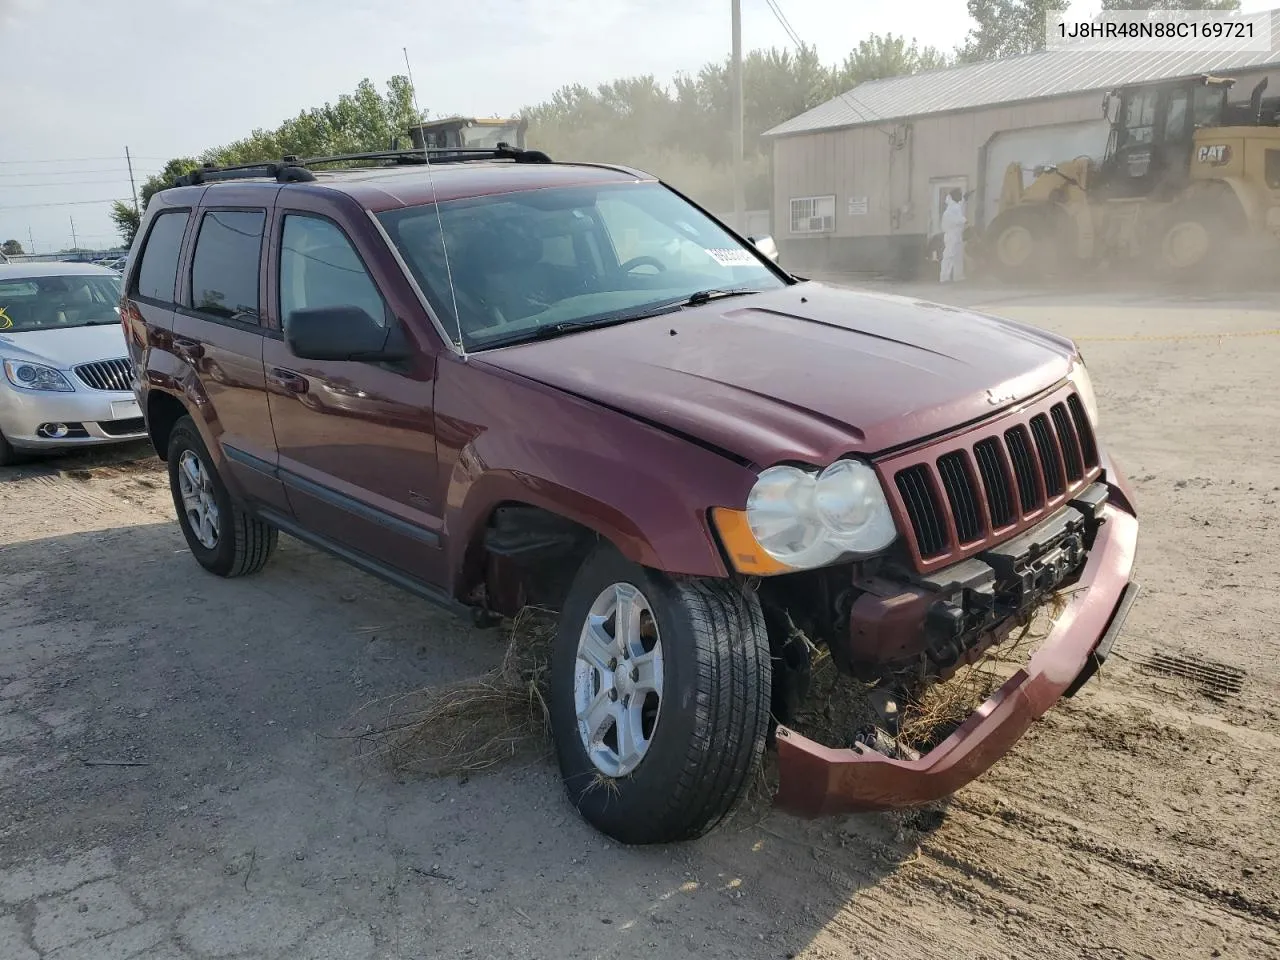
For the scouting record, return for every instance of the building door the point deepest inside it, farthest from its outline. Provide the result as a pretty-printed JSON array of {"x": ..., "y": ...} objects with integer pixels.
[{"x": 939, "y": 187}]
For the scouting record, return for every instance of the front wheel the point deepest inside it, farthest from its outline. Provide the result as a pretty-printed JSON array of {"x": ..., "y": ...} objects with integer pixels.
[
  {"x": 660, "y": 692},
  {"x": 224, "y": 538}
]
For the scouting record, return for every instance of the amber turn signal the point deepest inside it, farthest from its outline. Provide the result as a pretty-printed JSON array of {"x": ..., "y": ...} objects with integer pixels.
[{"x": 745, "y": 553}]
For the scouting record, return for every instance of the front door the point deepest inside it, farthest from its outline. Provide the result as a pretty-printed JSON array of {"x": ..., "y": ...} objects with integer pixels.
[
  {"x": 939, "y": 189},
  {"x": 356, "y": 440}
]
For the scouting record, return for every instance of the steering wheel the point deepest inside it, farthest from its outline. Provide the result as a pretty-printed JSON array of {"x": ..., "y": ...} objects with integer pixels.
[{"x": 642, "y": 262}]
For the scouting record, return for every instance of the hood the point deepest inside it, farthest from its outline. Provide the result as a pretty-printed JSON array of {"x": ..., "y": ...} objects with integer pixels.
[
  {"x": 807, "y": 373},
  {"x": 64, "y": 347}
]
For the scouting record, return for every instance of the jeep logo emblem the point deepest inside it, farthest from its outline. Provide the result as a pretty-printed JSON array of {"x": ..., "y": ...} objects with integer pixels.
[
  {"x": 995, "y": 398},
  {"x": 1217, "y": 154}
]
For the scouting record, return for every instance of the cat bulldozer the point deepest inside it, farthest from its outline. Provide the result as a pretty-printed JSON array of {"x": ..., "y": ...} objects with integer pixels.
[
  {"x": 469, "y": 133},
  {"x": 1188, "y": 180}
]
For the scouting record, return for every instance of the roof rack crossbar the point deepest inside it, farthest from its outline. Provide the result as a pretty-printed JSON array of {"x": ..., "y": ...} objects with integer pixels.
[{"x": 294, "y": 170}]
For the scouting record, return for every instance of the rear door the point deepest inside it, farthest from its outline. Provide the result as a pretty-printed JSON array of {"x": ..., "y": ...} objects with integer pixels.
[
  {"x": 151, "y": 288},
  {"x": 218, "y": 332},
  {"x": 356, "y": 440}
]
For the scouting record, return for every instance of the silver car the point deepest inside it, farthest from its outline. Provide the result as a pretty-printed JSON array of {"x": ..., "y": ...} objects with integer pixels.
[{"x": 66, "y": 379}]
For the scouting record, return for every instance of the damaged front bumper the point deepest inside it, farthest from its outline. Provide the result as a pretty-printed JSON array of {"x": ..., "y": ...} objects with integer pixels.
[{"x": 815, "y": 780}]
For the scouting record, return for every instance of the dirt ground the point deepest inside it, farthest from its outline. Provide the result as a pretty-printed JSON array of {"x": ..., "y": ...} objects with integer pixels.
[{"x": 1139, "y": 820}]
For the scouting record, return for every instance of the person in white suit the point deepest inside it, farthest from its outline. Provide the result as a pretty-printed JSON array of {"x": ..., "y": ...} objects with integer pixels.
[{"x": 953, "y": 222}]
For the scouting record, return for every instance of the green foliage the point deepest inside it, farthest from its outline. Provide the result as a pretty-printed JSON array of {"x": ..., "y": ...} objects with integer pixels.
[
  {"x": 683, "y": 132},
  {"x": 11, "y": 248},
  {"x": 359, "y": 122},
  {"x": 1006, "y": 28},
  {"x": 1170, "y": 4},
  {"x": 680, "y": 131},
  {"x": 126, "y": 219}
]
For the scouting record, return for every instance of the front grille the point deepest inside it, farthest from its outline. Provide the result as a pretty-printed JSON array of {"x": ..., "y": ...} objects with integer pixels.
[
  {"x": 114, "y": 375},
  {"x": 963, "y": 494},
  {"x": 922, "y": 506},
  {"x": 122, "y": 428}
]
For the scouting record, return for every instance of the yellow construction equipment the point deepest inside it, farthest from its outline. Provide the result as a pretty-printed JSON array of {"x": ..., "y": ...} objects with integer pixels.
[{"x": 1187, "y": 179}]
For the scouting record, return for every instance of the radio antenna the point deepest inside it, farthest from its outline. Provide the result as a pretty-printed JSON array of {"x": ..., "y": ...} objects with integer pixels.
[{"x": 435, "y": 201}]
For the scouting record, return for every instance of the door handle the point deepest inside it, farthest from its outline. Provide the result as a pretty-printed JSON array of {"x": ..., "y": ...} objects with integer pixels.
[
  {"x": 288, "y": 380},
  {"x": 188, "y": 349}
]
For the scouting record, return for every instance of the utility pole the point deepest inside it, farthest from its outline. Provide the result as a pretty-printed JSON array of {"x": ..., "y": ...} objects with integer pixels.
[
  {"x": 129, "y": 160},
  {"x": 31, "y": 241},
  {"x": 739, "y": 198},
  {"x": 75, "y": 244}
]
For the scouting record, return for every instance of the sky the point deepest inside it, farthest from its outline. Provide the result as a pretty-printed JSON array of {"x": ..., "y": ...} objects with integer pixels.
[{"x": 84, "y": 79}]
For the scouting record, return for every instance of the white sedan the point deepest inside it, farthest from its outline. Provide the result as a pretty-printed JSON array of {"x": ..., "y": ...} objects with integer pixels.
[{"x": 67, "y": 380}]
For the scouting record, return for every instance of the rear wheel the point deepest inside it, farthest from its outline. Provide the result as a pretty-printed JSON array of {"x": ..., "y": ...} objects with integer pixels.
[
  {"x": 660, "y": 692},
  {"x": 1195, "y": 236},
  {"x": 222, "y": 536}
]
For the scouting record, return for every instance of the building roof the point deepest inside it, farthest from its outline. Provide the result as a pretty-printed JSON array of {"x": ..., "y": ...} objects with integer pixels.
[{"x": 1031, "y": 76}]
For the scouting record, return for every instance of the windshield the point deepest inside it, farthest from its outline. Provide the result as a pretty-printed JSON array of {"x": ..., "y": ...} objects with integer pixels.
[
  {"x": 488, "y": 137},
  {"x": 47, "y": 303},
  {"x": 525, "y": 263}
]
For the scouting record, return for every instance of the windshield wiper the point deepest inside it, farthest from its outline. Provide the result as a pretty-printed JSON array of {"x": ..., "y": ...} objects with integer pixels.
[
  {"x": 706, "y": 296},
  {"x": 552, "y": 330}
]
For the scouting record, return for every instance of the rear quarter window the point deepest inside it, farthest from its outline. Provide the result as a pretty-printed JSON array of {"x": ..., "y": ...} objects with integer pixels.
[{"x": 158, "y": 266}]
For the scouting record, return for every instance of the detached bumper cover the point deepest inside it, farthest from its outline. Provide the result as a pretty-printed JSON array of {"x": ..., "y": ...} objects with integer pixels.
[{"x": 817, "y": 781}]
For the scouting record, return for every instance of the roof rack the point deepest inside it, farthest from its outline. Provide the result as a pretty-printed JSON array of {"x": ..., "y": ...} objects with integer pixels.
[{"x": 291, "y": 169}]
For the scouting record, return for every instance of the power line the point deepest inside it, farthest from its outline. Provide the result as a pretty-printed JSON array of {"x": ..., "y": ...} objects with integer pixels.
[
  {"x": 784, "y": 22},
  {"x": 81, "y": 160},
  {"x": 865, "y": 113},
  {"x": 75, "y": 173},
  {"x": 68, "y": 183},
  {"x": 65, "y": 203}
]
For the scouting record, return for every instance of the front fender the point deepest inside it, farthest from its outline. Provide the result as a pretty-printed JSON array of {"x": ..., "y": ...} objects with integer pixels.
[{"x": 645, "y": 490}]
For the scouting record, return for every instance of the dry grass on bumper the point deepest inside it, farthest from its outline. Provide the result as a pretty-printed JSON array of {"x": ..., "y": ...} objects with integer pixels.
[{"x": 475, "y": 724}]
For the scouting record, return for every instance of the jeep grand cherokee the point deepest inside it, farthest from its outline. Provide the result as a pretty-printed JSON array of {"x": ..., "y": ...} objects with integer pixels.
[{"x": 499, "y": 380}]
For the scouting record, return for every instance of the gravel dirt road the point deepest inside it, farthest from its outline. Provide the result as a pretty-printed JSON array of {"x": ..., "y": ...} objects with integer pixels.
[{"x": 172, "y": 782}]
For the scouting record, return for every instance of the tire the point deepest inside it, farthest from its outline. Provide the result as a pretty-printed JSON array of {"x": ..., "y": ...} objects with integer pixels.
[
  {"x": 1194, "y": 239},
  {"x": 706, "y": 744},
  {"x": 1025, "y": 244},
  {"x": 243, "y": 543},
  {"x": 8, "y": 456}
]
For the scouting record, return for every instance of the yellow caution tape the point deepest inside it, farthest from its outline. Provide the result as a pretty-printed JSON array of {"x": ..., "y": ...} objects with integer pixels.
[{"x": 1183, "y": 336}]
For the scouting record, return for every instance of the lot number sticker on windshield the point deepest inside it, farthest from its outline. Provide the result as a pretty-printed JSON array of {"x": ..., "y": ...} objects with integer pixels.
[{"x": 731, "y": 258}]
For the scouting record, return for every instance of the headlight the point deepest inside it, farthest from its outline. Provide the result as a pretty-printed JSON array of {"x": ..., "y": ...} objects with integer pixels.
[
  {"x": 1080, "y": 379},
  {"x": 35, "y": 376},
  {"x": 803, "y": 519}
]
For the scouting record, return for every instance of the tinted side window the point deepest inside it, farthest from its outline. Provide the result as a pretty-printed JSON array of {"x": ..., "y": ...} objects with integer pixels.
[
  {"x": 224, "y": 270},
  {"x": 320, "y": 268},
  {"x": 158, "y": 269}
]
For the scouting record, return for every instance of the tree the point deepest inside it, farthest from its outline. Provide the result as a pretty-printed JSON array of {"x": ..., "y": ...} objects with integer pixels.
[
  {"x": 360, "y": 122},
  {"x": 127, "y": 220},
  {"x": 11, "y": 248},
  {"x": 1006, "y": 28},
  {"x": 1170, "y": 4},
  {"x": 878, "y": 57}
]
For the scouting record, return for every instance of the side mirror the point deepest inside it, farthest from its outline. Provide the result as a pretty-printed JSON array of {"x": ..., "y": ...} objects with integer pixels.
[
  {"x": 766, "y": 246},
  {"x": 343, "y": 333}
]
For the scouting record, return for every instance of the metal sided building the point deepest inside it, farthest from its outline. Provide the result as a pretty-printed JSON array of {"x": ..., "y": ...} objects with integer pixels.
[{"x": 859, "y": 182}]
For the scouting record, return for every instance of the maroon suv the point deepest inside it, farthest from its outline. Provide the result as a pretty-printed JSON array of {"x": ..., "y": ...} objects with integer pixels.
[{"x": 495, "y": 380}]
